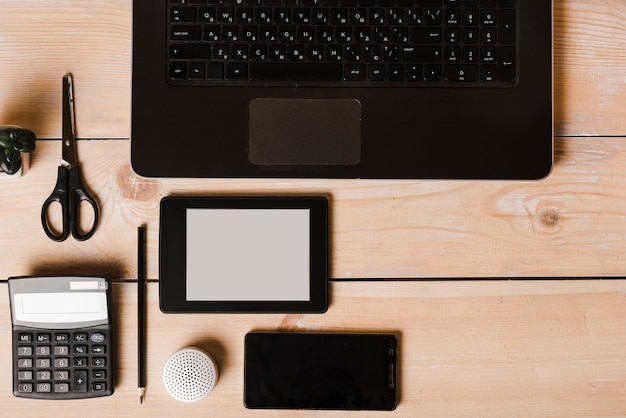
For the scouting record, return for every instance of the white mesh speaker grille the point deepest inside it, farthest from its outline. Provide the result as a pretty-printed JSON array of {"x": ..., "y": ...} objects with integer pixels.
[{"x": 189, "y": 374}]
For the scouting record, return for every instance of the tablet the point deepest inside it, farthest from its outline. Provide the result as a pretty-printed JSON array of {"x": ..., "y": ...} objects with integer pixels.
[{"x": 243, "y": 254}]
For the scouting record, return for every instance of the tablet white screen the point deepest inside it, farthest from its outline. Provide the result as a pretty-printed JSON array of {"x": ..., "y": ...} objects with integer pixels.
[{"x": 248, "y": 255}]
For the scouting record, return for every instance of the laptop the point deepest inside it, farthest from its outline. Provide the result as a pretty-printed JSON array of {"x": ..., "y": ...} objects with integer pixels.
[{"x": 390, "y": 89}]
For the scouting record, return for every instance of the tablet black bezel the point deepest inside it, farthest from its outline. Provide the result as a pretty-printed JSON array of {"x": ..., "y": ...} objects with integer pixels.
[{"x": 172, "y": 254}]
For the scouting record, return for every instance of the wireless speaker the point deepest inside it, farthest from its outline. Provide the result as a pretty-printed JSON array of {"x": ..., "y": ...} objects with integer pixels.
[{"x": 189, "y": 374}]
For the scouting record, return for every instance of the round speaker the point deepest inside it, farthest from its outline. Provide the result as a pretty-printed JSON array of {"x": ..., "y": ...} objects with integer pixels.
[{"x": 189, "y": 374}]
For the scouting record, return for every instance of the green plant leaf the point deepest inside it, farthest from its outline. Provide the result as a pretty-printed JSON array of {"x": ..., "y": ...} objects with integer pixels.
[
  {"x": 25, "y": 144},
  {"x": 11, "y": 155},
  {"x": 22, "y": 140},
  {"x": 9, "y": 167},
  {"x": 6, "y": 138}
]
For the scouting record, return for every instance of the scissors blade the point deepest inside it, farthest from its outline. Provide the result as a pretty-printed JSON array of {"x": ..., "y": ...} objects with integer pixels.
[{"x": 69, "y": 136}]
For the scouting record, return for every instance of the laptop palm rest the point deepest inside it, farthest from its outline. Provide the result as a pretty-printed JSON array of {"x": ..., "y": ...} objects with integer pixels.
[{"x": 304, "y": 132}]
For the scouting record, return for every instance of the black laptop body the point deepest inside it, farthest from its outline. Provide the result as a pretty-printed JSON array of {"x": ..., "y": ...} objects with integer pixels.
[{"x": 447, "y": 119}]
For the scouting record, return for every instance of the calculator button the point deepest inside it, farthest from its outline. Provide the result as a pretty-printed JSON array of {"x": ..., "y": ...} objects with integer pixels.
[
  {"x": 61, "y": 350},
  {"x": 98, "y": 349},
  {"x": 80, "y": 362},
  {"x": 42, "y": 363},
  {"x": 99, "y": 387},
  {"x": 25, "y": 351},
  {"x": 80, "y": 381},
  {"x": 98, "y": 362},
  {"x": 43, "y": 375},
  {"x": 61, "y": 362},
  {"x": 61, "y": 387},
  {"x": 98, "y": 374},
  {"x": 61, "y": 375},
  {"x": 43, "y": 387},
  {"x": 80, "y": 349},
  {"x": 25, "y": 375},
  {"x": 24, "y": 362},
  {"x": 25, "y": 387},
  {"x": 42, "y": 351}
]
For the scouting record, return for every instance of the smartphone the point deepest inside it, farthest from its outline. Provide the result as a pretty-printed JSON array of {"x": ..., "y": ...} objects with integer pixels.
[{"x": 321, "y": 371}]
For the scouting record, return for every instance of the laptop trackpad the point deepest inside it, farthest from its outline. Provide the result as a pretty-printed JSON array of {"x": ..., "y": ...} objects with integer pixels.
[{"x": 305, "y": 132}]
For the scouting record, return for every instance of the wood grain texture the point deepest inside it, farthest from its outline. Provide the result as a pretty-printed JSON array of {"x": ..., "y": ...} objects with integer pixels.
[
  {"x": 40, "y": 40},
  {"x": 485, "y": 349},
  {"x": 589, "y": 76},
  {"x": 570, "y": 224},
  {"x": 469, "y": 348}
]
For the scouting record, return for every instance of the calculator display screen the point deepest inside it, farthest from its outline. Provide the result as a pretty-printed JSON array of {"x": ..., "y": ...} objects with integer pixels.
[{"x": 61, "y": 307}]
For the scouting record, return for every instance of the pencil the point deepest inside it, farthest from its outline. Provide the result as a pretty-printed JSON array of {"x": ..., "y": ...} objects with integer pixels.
[{"x": 141, "y": 309}]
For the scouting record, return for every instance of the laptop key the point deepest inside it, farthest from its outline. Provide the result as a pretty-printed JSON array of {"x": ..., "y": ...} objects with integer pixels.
[
  {"x": 507, "y": 26},
  {"x": 414, "y": 72},
  {"x": 425, "y": 35},
  {"x": 354, "y": 72},
  {"x": 183, "y": 14},
  {"x": 296, "y": 72},
  {"x": 376, "y": 72},
  {"x": 428, "y": 3},
  {"x": 432, "y": 72},
  {"x": 414, "y": 53},
  {"x": 196, "y": 71},
  {"x": 488, "y": 73},
  {"x": 461, "y": 72},
  {"x": 190, "y": 51},
  {"x": 236, "y": 71},
  {"x": 178, "y": 70},
  {"x": 215, "y": 71},
  {"x": 506, "y": 67},
  {"x": 395, "y": 72},
  {"x": 185, "y": 33}
]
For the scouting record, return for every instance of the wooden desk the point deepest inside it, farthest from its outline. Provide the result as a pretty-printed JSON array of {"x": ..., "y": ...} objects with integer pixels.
[
  {"x": 481, "y": 348},
  {"x": 499, "y": 348}
]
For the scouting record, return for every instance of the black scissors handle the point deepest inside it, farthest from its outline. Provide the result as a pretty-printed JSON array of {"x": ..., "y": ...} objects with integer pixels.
[
  {"x": 59, "y": 195},
  {"x": 69, "y": 192},
  {"x": 77, "y": 195}
]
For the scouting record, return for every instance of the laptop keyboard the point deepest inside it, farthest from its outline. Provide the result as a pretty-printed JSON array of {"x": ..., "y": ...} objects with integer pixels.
[{"x": 419, "y": 43}]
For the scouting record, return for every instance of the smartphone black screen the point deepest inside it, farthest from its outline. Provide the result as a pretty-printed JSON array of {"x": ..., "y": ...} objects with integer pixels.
[{"x": 320, "y": 371}]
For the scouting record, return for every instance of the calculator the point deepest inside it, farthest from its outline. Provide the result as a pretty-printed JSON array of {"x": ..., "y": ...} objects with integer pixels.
[{"x": 62, "y": 337}]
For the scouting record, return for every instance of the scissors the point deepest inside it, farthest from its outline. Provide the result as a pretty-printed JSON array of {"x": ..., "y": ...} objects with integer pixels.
[{"x": 69, "y": 190}]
